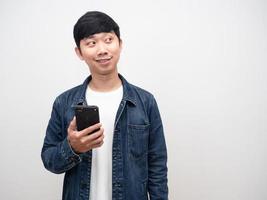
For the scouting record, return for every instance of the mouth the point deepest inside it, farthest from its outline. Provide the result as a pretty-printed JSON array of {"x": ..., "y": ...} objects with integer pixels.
[{"x": 103, "y": 60}]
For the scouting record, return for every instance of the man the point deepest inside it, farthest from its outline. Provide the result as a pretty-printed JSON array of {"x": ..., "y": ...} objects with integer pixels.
[{"x": 126, "y": 157}]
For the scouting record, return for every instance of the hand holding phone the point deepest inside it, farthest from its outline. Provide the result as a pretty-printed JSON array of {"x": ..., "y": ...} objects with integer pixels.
[{"x": 82, "y": 127}]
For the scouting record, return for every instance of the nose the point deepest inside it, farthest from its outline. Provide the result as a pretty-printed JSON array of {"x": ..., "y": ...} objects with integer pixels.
[{"x": 102, "y": 50}]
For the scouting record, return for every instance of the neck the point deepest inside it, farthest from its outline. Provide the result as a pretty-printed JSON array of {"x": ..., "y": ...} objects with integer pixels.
[{"x": 105, "y": 83}]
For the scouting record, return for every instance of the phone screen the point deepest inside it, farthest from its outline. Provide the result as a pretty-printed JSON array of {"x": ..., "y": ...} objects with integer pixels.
[{"x": 86, "y": 116}]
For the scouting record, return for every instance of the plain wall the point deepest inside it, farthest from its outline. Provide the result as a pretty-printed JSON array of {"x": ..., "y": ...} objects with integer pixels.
[{"x": 205, "y": 62}]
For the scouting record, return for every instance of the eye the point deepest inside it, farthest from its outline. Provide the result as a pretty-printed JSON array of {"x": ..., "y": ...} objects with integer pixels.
[
  {"x": 109, "y": 40},
  {"x": 90, "y": 43}
]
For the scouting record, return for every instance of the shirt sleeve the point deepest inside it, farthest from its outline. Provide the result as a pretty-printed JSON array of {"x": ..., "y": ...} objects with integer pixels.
[
  {"x": 57, "y": 154},
  {"x": 157, "y": 156}
]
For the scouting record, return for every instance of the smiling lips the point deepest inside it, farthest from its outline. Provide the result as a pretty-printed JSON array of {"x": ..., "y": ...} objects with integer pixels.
[{"x": 103, "y": 60}]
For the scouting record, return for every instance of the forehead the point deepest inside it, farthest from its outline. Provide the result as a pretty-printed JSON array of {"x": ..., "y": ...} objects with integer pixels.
[{"x": 100, "y": 35}]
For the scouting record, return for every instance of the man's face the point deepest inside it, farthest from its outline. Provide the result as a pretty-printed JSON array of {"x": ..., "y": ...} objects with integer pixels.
[{"x": 101, "y": 52}]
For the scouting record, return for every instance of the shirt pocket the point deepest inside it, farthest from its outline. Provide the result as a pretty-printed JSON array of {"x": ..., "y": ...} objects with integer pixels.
[{"x": 138, "y": 140}]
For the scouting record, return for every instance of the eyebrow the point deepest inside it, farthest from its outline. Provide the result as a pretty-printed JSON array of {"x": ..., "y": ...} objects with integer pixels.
[
  {"x": 93, "y": 36},
  {"x": 89, "y": 37}
]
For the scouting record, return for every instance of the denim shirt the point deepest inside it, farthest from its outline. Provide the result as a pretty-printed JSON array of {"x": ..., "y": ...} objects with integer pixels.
[{"x": 139, "y": 154}]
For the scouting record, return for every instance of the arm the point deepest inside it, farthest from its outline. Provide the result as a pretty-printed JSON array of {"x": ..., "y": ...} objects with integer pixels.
[
  {"x": 57, "y": 154},
  {"x": 157, "y": 157}
]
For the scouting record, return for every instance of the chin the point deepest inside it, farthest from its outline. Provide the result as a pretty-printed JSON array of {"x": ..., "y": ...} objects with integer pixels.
[{"x": 106, "y": 72}]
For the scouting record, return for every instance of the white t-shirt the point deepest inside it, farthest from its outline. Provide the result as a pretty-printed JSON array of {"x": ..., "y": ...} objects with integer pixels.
[{"x": 101, "y": 171}]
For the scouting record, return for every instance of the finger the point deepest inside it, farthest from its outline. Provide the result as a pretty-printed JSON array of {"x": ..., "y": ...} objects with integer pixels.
[
  {"x": 90, "y": 129},
  {"x": 72, "y": 125},
  {"x": 98, "y": 140},
  {"x": 98, "y": 145},
  {"x": 91, "y": 137}
]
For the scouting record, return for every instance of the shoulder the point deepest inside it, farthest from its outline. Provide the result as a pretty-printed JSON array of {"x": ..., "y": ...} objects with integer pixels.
[
  {"x": 141, "y": 91},
  {"x": 70, "y": 92},
  {"x": 142, "y": 96},
  {"x": 144, "y": 101},
  {"x": 136, "y": 93},
  {"x": 69, "y": 97}
]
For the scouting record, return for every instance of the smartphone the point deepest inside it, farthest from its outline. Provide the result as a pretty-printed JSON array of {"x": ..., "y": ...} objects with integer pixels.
[{"x": 86, "y": 116}]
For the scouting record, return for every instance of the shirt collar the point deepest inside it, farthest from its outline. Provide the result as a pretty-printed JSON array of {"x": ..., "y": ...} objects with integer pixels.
[{"x": 128, "y": 93}]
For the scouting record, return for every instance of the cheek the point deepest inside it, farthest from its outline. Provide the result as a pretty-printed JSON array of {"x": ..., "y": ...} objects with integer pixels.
[
  {"x": 89, "y": 57},
  {"x": 88, "y": 53},
  {"x": 116, "y": 51}
]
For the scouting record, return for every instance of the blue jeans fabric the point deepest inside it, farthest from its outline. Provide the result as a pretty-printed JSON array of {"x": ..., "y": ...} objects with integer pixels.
[{"x": 139, "y": 154}]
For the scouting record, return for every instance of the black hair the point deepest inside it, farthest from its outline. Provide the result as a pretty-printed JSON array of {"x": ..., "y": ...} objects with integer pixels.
[{"x": 94, "y": 22}]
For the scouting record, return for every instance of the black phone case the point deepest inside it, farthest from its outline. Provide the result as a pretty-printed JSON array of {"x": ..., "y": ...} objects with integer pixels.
[{"x": 86, "y": 116}]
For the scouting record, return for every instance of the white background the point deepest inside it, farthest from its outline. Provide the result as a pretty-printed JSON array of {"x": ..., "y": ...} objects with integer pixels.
[{"x": 205, "y": 62}]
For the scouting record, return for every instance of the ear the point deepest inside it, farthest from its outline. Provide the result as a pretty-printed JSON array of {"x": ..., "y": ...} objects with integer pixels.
[
  {"x": 120, "y": 44},
  {"x": 79, "y": 53}
]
